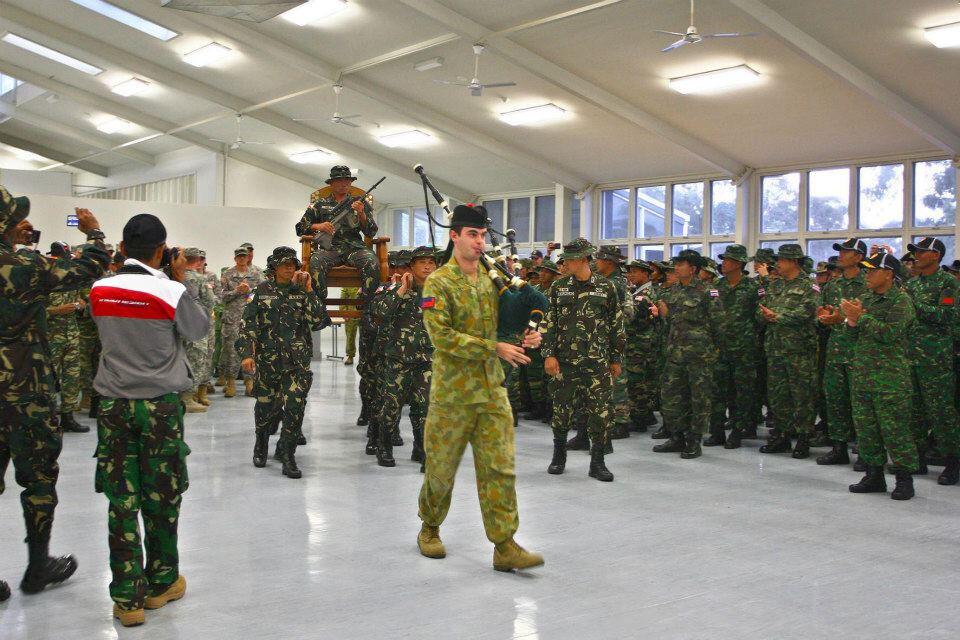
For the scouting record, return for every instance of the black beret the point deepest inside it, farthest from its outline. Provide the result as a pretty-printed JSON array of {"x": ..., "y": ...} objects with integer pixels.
[{"x": 467, "y": 216}]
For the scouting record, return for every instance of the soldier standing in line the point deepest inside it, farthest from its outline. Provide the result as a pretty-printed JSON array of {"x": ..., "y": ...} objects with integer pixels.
[
  {"x": 407, "y": 356},
  {"x": 765, "y": 263},
  {"x": 640, "y": 353},
  {"x": 788, "y": 308},
  {"x": 350, "y": 327},
  {"x": 276, "y": 342},
  {"x": 837, "y": 379},
  {"x": 29, "y": 437},
  {"x": 199, "y": 291},
  {"x": 213, "y": 282},
  {"x": 879, "y": 324},
  {"x": 237, "y": 285},
  {"x": 252, "y": 267},
  {"x": 548, "y": 272},
  {"x": 63, "y": 308},
  {"x": 583, "y": 344},
  {"x": 934, "y": 294},
  {"x": 467, "y": 400},
  {"x": 608, "y": 264},
  {"x": 668, "y": 278}
]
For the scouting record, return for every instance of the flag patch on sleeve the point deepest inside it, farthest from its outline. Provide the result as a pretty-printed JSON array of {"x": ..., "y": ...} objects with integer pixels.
[
  {"x": 714, "y": 293},
  {"x": 816, "y": 288},
  {"x": 428, "y": 303},
  {"x": 946, "y": 300}
]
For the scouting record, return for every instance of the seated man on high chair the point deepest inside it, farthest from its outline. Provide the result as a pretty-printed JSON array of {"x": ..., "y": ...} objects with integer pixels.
[{"x": 348, "y": 245}]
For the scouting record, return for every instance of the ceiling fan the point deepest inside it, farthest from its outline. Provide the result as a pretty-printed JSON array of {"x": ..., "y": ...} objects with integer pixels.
[
  {"x": 475, "y": 86},
  {"x": 239, "y": 142},
  {"x": 693, "y": 35},
  {"x": 337, "y": 118}
]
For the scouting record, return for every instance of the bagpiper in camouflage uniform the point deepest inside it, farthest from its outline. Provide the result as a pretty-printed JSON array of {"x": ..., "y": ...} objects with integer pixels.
[
  {"x": 608, "y": 263},
  {"x": 200, "y": 292},
  {"x": 879, "y": 324},
  {"x": 237, "y": 285},
  {"x": 28, "y": 434},
  {"x": 63, "y": 308},
  {"x": 640, "y": 357},
  {"x": 583, "y": 346},
  {"x": 276, "y": 340},
  {"x": 407, "y": 355},
  {"x": 934, "y": 294},
  {"x": 468, "y": 403},
  {"x": 788, "y": 308}
]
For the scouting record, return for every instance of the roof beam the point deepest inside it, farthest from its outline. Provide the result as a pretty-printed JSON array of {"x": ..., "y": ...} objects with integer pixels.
[
  {"x": 894, "y": 104},
  {"x": 308, "y": 63},
  {"x": 188, "y": 85},
  {"x": 578, "y": 86},
  {"x": 52, "y": 154}
]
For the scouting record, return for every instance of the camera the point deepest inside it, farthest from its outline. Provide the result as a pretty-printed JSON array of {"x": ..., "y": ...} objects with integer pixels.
[
  {"x": 169, "y": 255},
  {"x": 35, "y": 236}
]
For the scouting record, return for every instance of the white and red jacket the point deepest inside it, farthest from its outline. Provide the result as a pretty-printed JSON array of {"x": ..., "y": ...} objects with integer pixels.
[{"x": 143, "y": 317}]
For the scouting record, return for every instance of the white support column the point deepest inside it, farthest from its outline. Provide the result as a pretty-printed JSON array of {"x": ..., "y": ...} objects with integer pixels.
[
  {"x": 747, "y": 228},
  {"x": 588, "y": 229},
  {"x": 563, "y": 212}
]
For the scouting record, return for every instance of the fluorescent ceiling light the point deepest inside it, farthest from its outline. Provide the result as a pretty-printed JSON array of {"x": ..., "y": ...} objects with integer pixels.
[
  {"x": 313, "y": 11},
  {"x": 121, "y": 15},
  {"x": 314, "y": 156},
  {"x": 534, "y": 115},
  {"x": 131, "y": 87},
  {"x": 946, "y": 35},
  {"x": 50, "y": 54},
  {"x": 113, "y": 125},
  {"x": 715, "y": 81},
  {"x": 207, "y": 54},
  {"x": 426, "y": 65},
  {"x": 413, "y": 138}
]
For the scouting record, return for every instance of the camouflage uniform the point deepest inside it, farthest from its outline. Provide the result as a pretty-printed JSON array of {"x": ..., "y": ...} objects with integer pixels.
[
  {"x": 641, "y": 354},
  {"x": 64, "y": 335},
  {"x": 352, "y": 324},
  {"x": 619, "y": 396},
  {"x": 89, "y": 350},
  {"x": 836, "y": 373},
  {"x": 737, "y": 339},
  {"x": 199, "y": 290},
  {"x": 372, "y": 344},
  {"x": 212, "y": 342},
  {"x": 233, "y": 307}
]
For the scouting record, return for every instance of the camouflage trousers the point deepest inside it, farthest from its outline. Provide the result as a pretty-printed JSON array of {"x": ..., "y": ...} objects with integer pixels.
[
  {"x": 217, "y": 346},
  {"x": 142, "y": 470},
  {"x": 536, "y": 377},
  {"x": 281, "y": 400},
  {"x": 488, "y": 428},
  {"x": 837, "y": 389},
  {"x": 512, "y": 383},
  {"x": 620, "y": 400},
  {"x": 738, "y": 388},
  {"x": 197, "y": 354},
  {"x": 791, "y": 386},
  {"x": 686, "y": 394},
  {"x": 29, "y": 438},
  {"x": 404, "y": 384},
  {"x": 89, "y": 356},
  {"x": 68, "y": 366},
  {"x": 933, "y": 407},
  {"x": 350, "y": 330},
  {"x": 364, "y": 260},
  {"x": 582, "y": 395},
  {"x": 368, "y": 370},
  {"x": 881, "y": 419},
  {"x": 212, "y": 340},
  {"x": 643, "y": 381},
  {"x": 229, "y": 355}
]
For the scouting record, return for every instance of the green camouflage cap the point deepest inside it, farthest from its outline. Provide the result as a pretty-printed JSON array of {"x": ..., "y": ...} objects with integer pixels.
[
  {"x": 579, "y": 248},
  {"x": 550, "y": 265},
  {"x": 806, "y": 264},
  {"x": 765, "y": 256},
  {"x": 240, "y": 251},
  {"x": 609, "y": 252},
  {"x": 193, "y": 252},
  {"x": 12, "y": 210},
  {"x": 526, "y": 263},
  {"x": 666, "y": 265},
  {"x": 736, "y": 252},
  {"x": 711, "y": 270},
  {"x": 640, "y": 264},
  {"x": 690, "y": 256},
  {"x": 790, "y": 252},
  {"x": 423, "y": 252},
  {"x": 824, "y": 267}
]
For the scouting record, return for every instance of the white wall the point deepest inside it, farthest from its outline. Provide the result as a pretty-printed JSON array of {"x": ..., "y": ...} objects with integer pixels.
[
  {"x": 192, "y": 160},
  {"x": 249, "y": 186},
  {"x": 53, "y": 183}
]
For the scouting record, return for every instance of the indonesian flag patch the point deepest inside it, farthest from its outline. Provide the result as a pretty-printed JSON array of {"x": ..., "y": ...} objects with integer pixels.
[{"x": 428, "y": 303}]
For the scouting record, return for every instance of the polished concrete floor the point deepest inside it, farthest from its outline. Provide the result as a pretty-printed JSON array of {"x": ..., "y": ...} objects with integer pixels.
[{"x": 733, "y": 545}]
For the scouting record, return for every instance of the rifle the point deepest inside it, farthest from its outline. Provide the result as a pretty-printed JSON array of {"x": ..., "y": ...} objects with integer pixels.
[{"x": 340, "y": 213}]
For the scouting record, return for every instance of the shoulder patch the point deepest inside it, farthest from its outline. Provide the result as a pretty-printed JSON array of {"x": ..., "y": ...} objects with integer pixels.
[
  {"x": 428, "y": 303},
  {"x": 816, "y": 287},
  {"x": 946, "y": 300},
  {"x": 714, "y": 293},
  {"x": 761, "y": 292}
]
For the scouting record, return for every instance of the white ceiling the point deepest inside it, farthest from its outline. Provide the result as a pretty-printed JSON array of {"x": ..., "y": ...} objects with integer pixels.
[{"x": 625, "y": 123}]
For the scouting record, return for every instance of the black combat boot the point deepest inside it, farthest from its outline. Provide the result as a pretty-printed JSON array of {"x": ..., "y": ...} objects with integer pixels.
[
  {"x": 278, "y": 452},
  {"x": 674, "y": 445},
  {"x": 290, "y": 468},
  {"x": 619, "y": 431},
  {"x": 373, "y": 435},
  {"x": 44, "y": 570},
  {"x": 261, "y": 447},
  {"x": 780, "y": 444},
  {"x": 734, "y": 439},
  {"x": 904, "y": 488},
  {"x": 559, "y": 461},
  {"x": 821, "y": 439},
  {"x": 4, "y": 591},
  {"x": 417, "y": 454},
  {"x": 580, "y": 441},
  {"x": 385, "y": 447},
  {"x": 364, "y": 419},
  {"x": 951, "y": 471},
  {"x": 750, "y": 433},
  {"x": 608, "y": 446},
  {"x": 598, "y": 469},
  {"x": 660, "y": 434},
  {"x": 860, "y": 466},
  {"x": 537, "y": 411},
  {"x": 802, "y": 450},
  {"x": 69, "y": 424},
  {"x": 691, "y": 446},
  {"x": 837, "y": 455},
  {"x": 873, "y": 482},
  {"x": 716, "y": 438}
]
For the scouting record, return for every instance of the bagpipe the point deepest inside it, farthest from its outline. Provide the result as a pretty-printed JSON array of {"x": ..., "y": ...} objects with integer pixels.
[{"x": 522, "y": 307}]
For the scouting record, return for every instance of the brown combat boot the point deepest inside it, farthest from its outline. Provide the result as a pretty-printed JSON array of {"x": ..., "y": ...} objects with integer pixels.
[
  {"x": 248, "y": 386},
  {"x": 129, "y": 617},
  {"x": 190, "y": 404},
  {"x": 221, "y": 382},
  {"x": 174, "y": 592},
  {"x": 201, "y": 396},
  {"x": 429, "y": 542},
  {"x": 230, "y": 389},
  {"x": 508, "y": 556}
]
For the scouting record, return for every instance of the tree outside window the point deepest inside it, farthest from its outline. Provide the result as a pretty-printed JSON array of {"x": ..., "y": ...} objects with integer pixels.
[
  {"x": 688, "y": 209},
  {"x": 935, "y": 194},
  {"x": 780, "y": 206},
  {"x": 828, "y": 207},
  {"x": 723, "y": 207},
  {"x": 881, "y": 197},
  {"x": 614, "y": 206}
]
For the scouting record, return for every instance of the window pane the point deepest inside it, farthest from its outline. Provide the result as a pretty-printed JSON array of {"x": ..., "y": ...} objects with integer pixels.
[
  {"x": 675, "y": 249},
  {"x": 716, "y": 248},
  {"x": 518, "y": 217},
  {"x": 613, "y": 217},
  {"x": 780, "y": 207},
  {"x": 829, "y": 203},
  {"x": 651, "y": 211},
  {"x": 775, "y": 244},
  {"x": 820, "y": 250},
  {"x": 494, "y": 212},
  {"x": 881, "y": 197},
  {"x": 688, "y": 209},
  {"x": 648, "y": 252},
  {"x": 543, "y": 219},
  {"x": 575, "y": 218},
  {"x": 421, "y": 228},
  {"x": 895, "y": 242},
  {"x": 723, "y": 207},
  {"x": 935, "y": 194},
  {"x": 949, "y": 242},
  {"x": 401, "y": 228}
]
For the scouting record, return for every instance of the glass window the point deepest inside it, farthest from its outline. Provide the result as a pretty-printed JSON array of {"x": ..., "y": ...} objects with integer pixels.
[
  {"x": 895, "y": 242},
  {"x": 613, "y": 216},
  {"x": 820, "y": 250},
  {"x": 935, "y": 194},
  {"x": 401, "y": 228},
  {"x": 544, "y": 210},
  {"x": 716, "y": 248},
  {"x": 518, "y": 217},
  {"x": 881, "y": 197},
  {"x": 575, "y": 217},
  {"x": 949, "y": 242},
  {"x": 775, "y": 244},
  {"x": 723, "y": 207},
  {"x": 421, "y": 228},
  {"x": 780, "y": 206},
  {"x": 688, "y": 209},
  {"x": 675, "y": 249},
  {"x": 651, "y": 211},
  {"x": 494, "y": 212},
  {"x": 828, "y": 208},
  {"x": 648, "y": 252}
]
